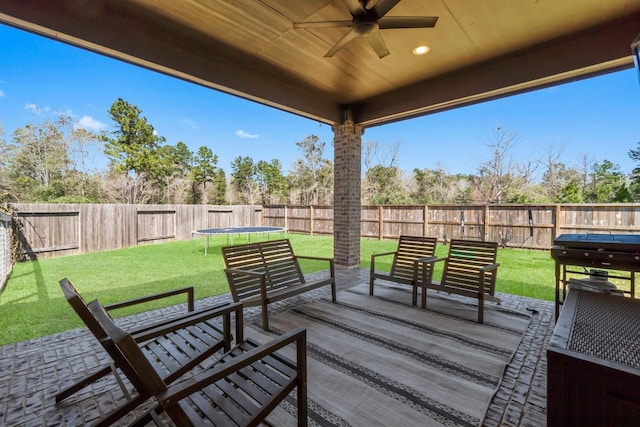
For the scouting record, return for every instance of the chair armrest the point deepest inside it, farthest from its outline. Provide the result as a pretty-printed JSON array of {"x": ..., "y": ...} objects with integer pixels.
[
  {"x": 427, "y": 273},
  {"x": 316, "y": 258},
  {"x": 199, "y": 381},
  {"x": 431, "y": 260},
  {"x": 490, "y": 267},
  {"x": 382, "y": 254},
  {"x": 374, "y": 256},
  {"x": 332, "y": 271},
  {"x": 223, "y": 310},
  {"x": 188, "y": 290},
  {"x": 179, "y": 320},
  {"x": 425, "y": 260},
  {"x": 483, "y": 270}
]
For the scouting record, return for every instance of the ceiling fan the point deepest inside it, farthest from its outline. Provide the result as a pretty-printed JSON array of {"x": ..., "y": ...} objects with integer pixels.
[{"x": 368, "y": 19}]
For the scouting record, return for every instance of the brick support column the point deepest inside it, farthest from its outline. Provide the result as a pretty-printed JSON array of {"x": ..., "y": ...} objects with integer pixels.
[{"x": 347, "y": 148}]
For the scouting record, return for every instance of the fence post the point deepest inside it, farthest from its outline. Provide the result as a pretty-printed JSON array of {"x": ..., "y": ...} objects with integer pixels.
[
  {"x": 557, "y": 214},
  {"x": 286, "y": 217},
  {"x": 6, "y": 264},
  {"x": 311, "y": 220},
  {"x": 485, "y": 220},
  {"x": 380, "y": 222},
  {"x": 425, "y": 221}
]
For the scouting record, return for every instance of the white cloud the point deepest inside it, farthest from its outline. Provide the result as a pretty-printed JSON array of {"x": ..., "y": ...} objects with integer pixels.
[
  {"x": 189, "y": 123},
  {"x": 243, "y": 134},
  {"x": 32, "y": 107},
  {"x": 89, "y": 123},
  {"x": 1, "y": 93},
  {"x": 36, "y": 110}
]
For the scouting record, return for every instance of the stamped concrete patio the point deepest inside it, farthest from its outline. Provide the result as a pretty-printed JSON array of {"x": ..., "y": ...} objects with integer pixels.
[{"x": 32, "y": 372}]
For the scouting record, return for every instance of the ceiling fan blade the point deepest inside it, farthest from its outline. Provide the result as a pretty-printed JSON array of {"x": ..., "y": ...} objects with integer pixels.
[
  {"x": 407, "y": 22},
  {"x": 355, "y": 7},
  {"x": 322, "y": 24},
  {"x": 377, "y": 43},
  {"x": 368, "y": 4},
  {"x": 383, "y": 6},
  {"x": 342, "y": 43}
]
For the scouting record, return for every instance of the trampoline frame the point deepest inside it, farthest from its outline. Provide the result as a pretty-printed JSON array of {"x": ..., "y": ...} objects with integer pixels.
[{"x": 231, "y": 231}]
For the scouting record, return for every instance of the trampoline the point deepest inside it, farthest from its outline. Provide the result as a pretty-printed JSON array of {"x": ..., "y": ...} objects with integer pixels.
[{"x": 232, "y": 231}]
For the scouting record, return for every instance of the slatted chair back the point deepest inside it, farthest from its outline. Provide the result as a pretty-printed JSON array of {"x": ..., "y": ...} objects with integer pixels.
[
  {"x": 274, "y": 258},
  {"x": 79, "y": 305},
  {"x": 405, "y": 267},
  {"x": 82, "y": 309},
  {"x": 465, "y": 263},
  {"x": 280, "y": 264},
  {"x": 470, "y": 270},
  {"x": 411, "y": 248}
]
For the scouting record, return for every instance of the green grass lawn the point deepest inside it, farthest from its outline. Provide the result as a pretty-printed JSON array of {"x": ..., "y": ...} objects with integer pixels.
[{"x": 32, "y": 304}]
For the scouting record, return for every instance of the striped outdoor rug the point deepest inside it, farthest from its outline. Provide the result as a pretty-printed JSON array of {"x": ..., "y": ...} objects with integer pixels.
[{"x": 378, "y": 361}]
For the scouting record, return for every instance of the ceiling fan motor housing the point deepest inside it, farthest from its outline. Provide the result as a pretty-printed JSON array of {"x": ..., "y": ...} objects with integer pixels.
[{"x": 365, "y": 25}]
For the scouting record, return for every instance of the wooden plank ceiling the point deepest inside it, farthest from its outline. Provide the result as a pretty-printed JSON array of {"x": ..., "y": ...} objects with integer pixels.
[{"x": 479, "y": 49}]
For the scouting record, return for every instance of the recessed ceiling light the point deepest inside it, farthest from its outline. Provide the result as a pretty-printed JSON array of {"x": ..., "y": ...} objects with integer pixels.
[{"x": 421, "y": 50}]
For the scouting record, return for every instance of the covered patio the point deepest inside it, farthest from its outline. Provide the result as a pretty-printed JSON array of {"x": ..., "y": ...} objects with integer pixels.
[
  {"x": 352, "y": 64},
  {"x": 34, "y": 371},
  {"x": 271, "y": 52}
]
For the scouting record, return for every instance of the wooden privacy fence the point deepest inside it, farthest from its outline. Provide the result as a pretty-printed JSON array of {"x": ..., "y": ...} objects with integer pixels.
[
  {"x": 48, "y": 230},
  {"x": 530, "y": 226}
]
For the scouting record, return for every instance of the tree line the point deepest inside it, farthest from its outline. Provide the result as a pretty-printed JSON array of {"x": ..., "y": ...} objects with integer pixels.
[{"x": 50, "y": 162}]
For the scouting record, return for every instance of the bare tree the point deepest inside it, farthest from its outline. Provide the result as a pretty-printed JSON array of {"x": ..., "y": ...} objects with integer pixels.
[
  {"x": 501, "y": 178},
  {"x": 495, "y": 174},
  {"x": 551, "y": 177},
  {"x": 382, "y": 181},
  {"x": 80, "y": 148},
  {"x": 120, "y": 188},
  {"x": 586, "y": 165}
]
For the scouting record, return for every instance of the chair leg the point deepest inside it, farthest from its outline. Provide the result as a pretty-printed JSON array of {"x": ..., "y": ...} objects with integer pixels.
[
  {"x": 371, "y": 279},
  {"x": 301, "y": 359},
  {"x": 265, "y": 317},
  {"x": 90, "y": 379},
  {"x": 424, "y": 297},
  {"x": 414, "y": 295}
]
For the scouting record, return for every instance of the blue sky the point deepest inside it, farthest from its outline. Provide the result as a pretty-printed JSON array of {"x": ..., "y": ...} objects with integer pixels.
[{"x": 595, "y": 117}]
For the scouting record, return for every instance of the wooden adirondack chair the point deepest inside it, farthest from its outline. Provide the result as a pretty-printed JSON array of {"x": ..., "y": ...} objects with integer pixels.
[
  {"x": 470, "y": 270},
  {"x": 175, "y": 345},
  {"x": 407, "y": 263},
  {"x": 241, "y": 389}
]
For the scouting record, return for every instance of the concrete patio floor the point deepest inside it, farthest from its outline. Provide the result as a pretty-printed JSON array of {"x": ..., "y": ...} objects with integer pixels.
[{"x": 32, "y": 372}]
